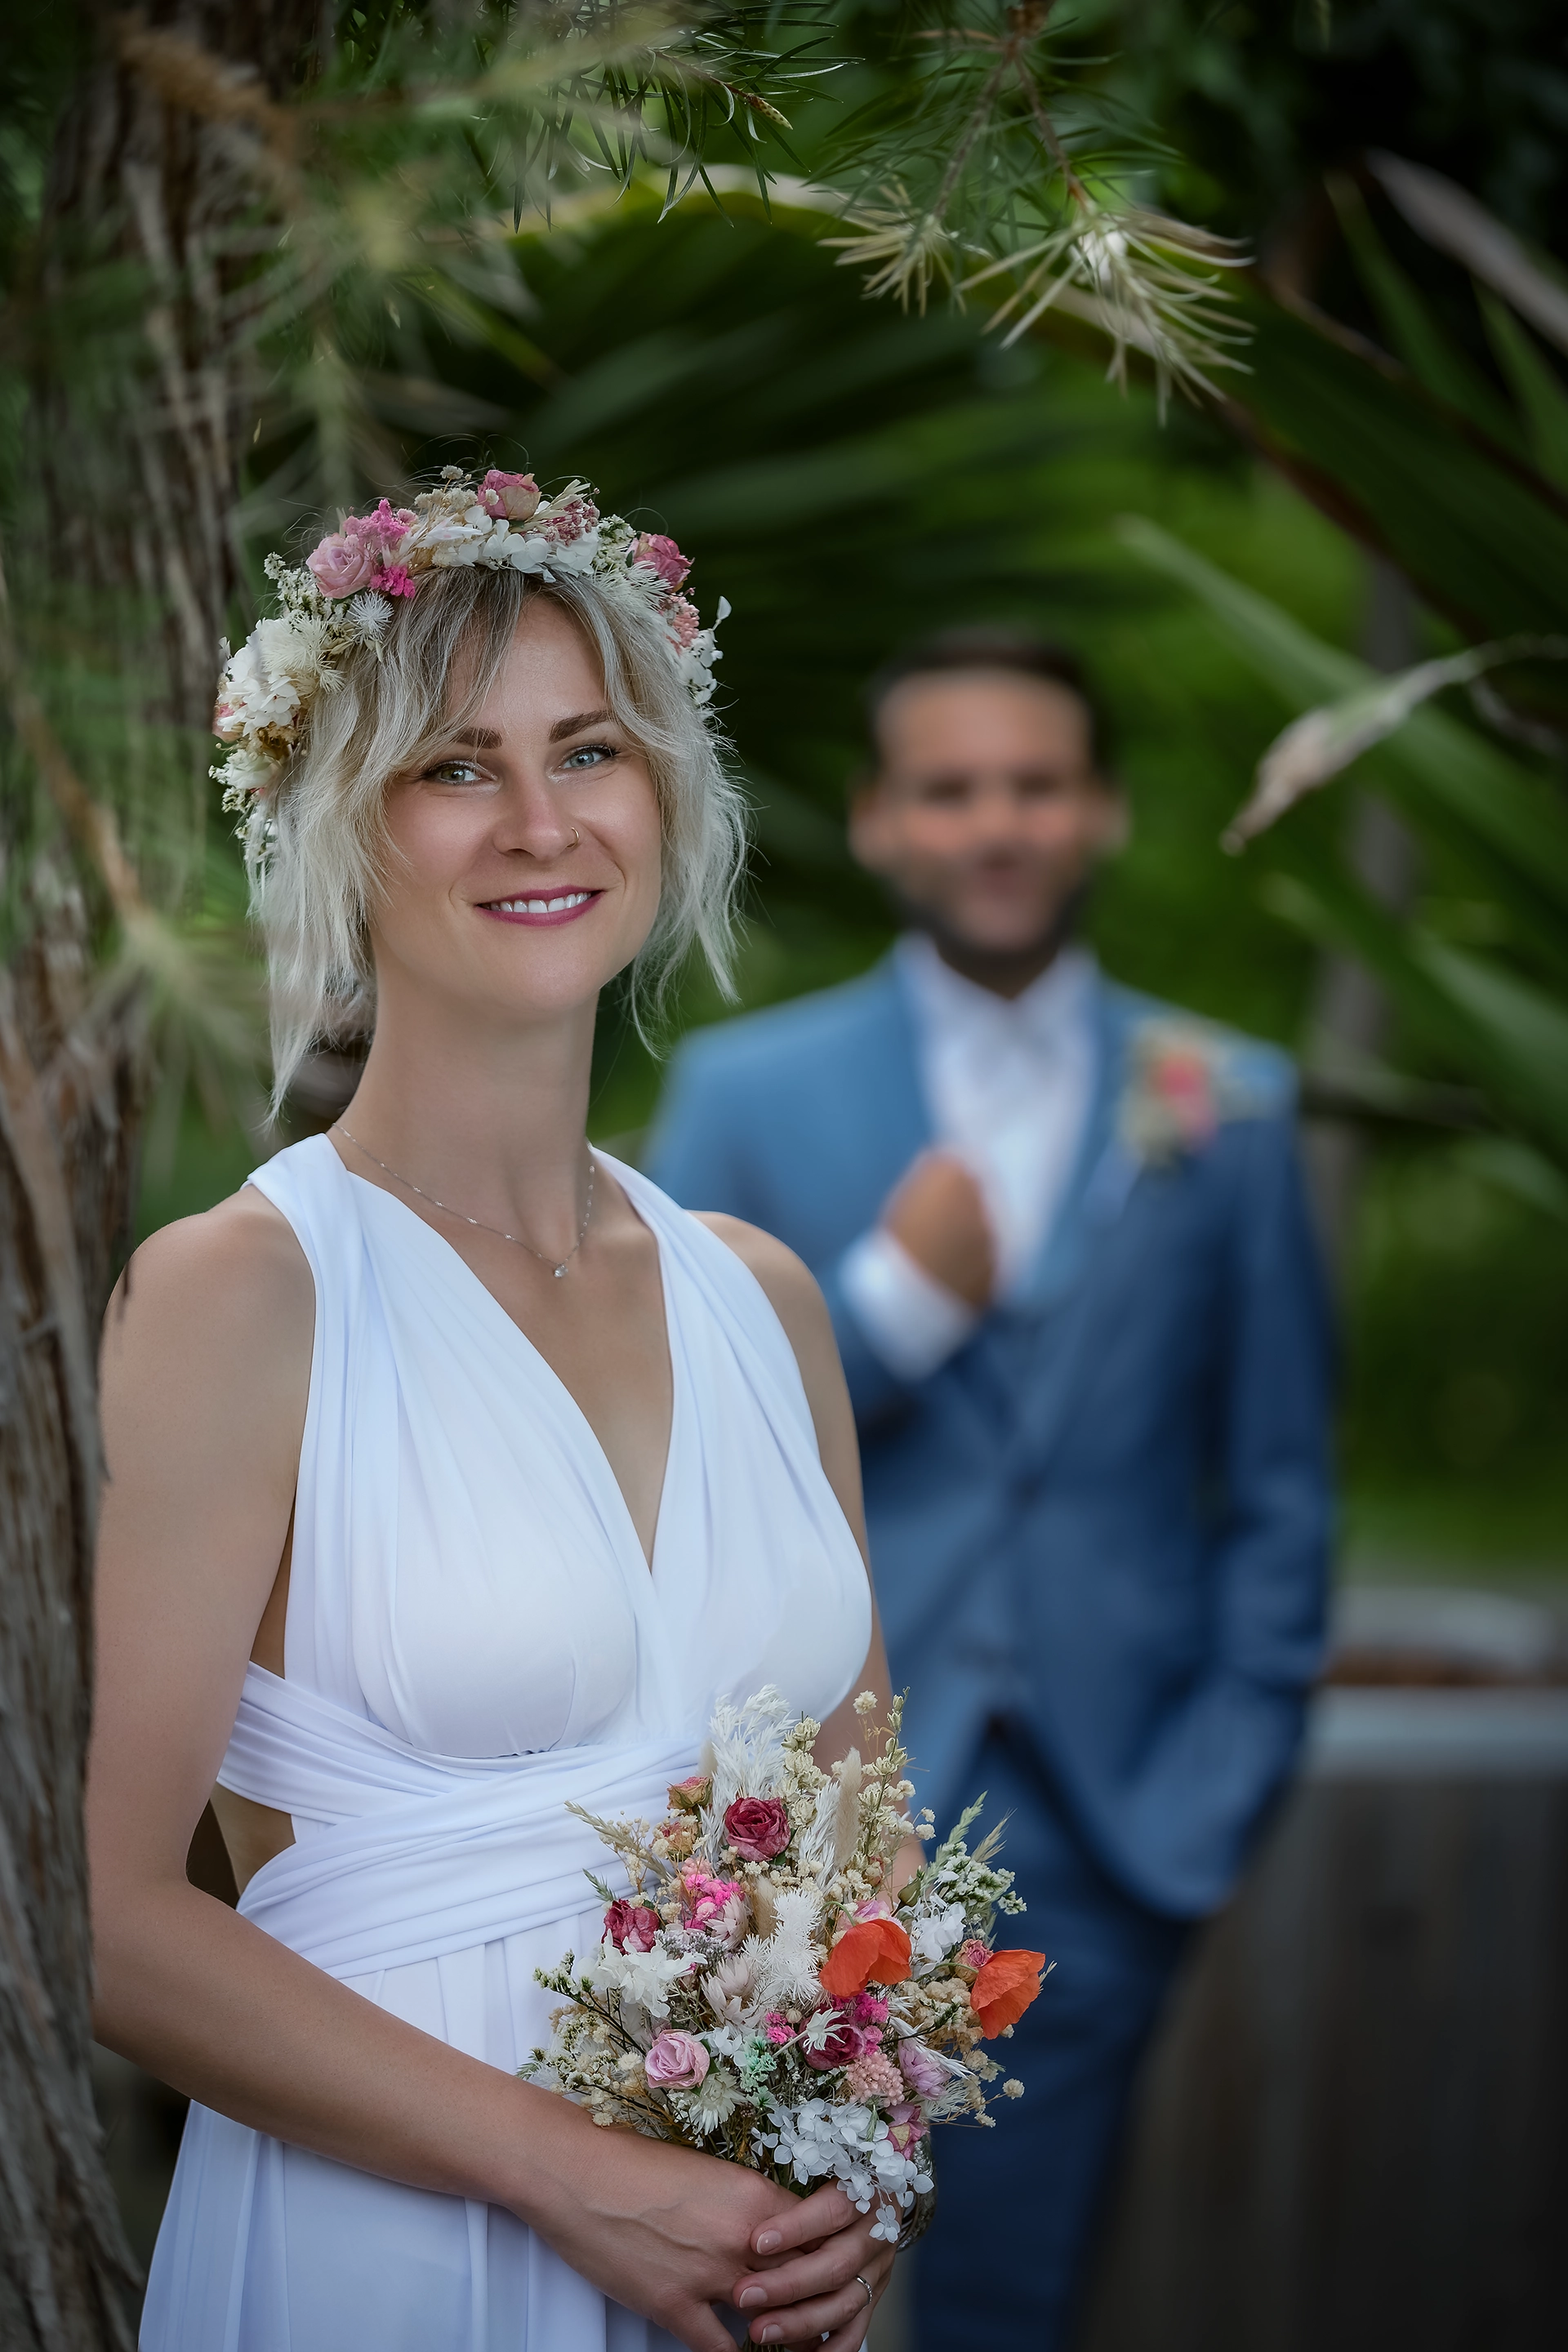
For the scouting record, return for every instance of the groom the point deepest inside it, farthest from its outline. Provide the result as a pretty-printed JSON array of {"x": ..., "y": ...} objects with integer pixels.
[{"x": 1061, "y": 1231}]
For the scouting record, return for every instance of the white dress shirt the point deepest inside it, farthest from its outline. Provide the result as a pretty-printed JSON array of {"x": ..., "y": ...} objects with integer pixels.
[{"x": 1007, "y": 1082}]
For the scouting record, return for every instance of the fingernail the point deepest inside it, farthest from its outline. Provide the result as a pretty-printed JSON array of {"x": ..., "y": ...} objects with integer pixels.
[
  {"x": 770, "y": 2335},
  {"x": 768, "y": 2241},
  {"x": 751, "y": 2294}
]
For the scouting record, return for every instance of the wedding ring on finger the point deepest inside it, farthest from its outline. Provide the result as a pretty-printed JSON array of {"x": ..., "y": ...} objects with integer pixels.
[{"x": 871, "y": 2298}]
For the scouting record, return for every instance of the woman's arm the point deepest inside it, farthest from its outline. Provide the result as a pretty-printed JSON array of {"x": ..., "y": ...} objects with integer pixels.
[{"x": 205, "y": 1376}]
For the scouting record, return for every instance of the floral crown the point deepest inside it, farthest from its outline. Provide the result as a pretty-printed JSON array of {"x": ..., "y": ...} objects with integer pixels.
[{"x": 344, "y": 595}]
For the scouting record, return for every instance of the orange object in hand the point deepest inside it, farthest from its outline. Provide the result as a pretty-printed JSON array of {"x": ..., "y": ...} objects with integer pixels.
[
  {"x": 1003, "y": 1989},
  {"x": 872, "y": 1950}
]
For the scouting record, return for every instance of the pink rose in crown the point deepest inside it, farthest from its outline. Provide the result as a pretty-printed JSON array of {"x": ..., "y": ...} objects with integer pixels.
[
  {"x": 845, "y": 2044},
  {"x": 663, "y": 556},
  {"x": 631, "y": 1924},
  {"x": 973, "y": 1954},
  {"x": 675, "y": 2061},
  {"x": 757, "y": 1828},
  {"x": 717, "y": 1905},
  {"x": 516, "y": 496},
  {"x": 1183, "y": 1083},
  {"x": 343, "y": 563}
]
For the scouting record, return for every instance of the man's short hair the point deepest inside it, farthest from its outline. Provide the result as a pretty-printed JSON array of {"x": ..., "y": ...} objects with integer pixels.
[{"x": 954, "y": 651}]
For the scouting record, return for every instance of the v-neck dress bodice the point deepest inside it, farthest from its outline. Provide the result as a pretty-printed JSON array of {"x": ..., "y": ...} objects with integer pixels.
[{"x": 474, "y": 1637}]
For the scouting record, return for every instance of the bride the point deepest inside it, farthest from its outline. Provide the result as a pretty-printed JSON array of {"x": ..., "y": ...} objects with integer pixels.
[{"x": 453, "y": 1474}]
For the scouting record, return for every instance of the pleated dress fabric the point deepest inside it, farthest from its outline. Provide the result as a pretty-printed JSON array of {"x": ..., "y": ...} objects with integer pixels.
[{"x": 473, "y": 1638}]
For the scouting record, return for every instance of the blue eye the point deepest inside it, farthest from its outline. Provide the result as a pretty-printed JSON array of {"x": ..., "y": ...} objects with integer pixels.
[
  {"x": 454, "y": 772},
  {"x": 589, "y": 754}
]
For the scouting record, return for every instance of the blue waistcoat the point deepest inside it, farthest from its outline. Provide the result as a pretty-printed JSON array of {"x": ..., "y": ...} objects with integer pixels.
[{"x": 1108, "y": 1515}]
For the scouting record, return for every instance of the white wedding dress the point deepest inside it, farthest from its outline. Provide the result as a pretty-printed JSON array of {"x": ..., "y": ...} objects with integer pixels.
[{"x": 473, "y": 1638}]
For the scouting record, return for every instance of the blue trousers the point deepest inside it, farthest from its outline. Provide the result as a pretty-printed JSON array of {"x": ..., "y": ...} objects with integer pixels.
[{"x": 1002, "y": 2265}]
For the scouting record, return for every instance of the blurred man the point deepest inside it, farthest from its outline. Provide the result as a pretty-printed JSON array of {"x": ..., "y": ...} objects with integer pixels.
[{"x": 1061, "y": 1231}]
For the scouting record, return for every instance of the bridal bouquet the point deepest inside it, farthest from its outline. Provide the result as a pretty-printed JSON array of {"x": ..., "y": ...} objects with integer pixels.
[{"x": 758, "y": 1994}]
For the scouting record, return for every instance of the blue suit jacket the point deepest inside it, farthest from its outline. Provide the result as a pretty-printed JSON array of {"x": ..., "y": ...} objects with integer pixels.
[{"x": 1108, "y": 1515}]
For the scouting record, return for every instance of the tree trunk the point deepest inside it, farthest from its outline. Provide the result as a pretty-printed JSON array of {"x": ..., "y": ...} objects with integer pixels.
[{"x": 137, "y": 458}]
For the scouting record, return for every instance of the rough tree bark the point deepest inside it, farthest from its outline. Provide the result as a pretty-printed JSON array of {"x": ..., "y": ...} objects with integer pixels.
[{"x": 151, "y": 168}]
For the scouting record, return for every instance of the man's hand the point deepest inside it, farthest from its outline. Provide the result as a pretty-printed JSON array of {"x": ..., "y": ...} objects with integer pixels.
[{"x": 938, "y": 1213}]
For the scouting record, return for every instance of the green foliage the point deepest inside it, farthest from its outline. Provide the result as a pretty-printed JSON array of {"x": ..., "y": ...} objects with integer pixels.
[{"x": 1456, "y": 1422}]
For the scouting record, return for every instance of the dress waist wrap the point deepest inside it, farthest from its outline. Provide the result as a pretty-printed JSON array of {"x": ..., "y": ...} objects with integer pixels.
[{"x": 403, "y": 1856}]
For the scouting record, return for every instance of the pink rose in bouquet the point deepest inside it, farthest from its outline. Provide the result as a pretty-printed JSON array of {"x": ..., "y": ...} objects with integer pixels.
[
  {"x": 631, "y": 1924},
  {"x": 757, "y": 1828},
  {"x": 676, "y": 2060},
  {"x": 906, "y": 2127}
]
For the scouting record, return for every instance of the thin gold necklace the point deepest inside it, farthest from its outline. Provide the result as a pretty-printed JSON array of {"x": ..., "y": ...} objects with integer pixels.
[{"x": 478, "y": 1224}]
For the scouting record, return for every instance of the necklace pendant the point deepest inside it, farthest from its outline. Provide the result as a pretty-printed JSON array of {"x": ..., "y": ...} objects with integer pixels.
[{"x": 561, "y": 1269}]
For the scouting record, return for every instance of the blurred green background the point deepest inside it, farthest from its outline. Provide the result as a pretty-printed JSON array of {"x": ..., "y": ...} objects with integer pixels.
[{"x": 849, "y": 478}]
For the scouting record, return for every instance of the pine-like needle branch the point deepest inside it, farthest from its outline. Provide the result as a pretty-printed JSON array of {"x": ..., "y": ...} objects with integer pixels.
[{"x": 996, "y": 157}]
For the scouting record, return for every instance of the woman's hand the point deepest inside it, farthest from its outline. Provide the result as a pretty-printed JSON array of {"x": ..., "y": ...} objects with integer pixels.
[
  {"x": 666, "y": 2231},
  {"x": 816, "y": 2256}
]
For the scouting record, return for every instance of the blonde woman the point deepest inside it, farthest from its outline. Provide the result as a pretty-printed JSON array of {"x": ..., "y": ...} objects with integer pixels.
[{"x": 453, "y": 1472}]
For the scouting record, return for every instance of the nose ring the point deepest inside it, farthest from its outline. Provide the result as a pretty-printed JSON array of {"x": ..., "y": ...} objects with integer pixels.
[{"x": 576, "y": 841}]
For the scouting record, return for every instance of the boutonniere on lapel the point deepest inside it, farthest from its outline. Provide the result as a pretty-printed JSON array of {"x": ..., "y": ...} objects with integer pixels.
[{"x": 1184, "y": 1081}]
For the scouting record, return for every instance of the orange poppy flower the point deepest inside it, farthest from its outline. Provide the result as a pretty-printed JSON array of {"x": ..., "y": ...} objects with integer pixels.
[
  {"x": 871, "y": 1951},
  {"x": 1004, "y": 1988}
]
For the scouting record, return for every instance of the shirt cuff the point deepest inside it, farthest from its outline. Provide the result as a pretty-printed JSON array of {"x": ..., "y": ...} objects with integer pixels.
[{"x": 913, "y": 1322}]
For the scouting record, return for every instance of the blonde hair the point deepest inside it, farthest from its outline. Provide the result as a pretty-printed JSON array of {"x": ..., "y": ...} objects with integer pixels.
[{"x": 317, "y": 849}]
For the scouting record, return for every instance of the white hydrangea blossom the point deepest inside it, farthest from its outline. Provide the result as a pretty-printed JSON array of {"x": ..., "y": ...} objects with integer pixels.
[{"x": 851, "y": 2144}]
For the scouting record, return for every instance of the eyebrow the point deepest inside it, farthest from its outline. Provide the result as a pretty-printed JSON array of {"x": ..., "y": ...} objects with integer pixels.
[
  {"x": 479, "y": 739},
  {"x": 564, "y": 727}
]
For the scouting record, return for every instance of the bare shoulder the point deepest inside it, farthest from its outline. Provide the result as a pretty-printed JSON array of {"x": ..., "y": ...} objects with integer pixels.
[
  {"x": 233, "y": 1279},
  {"x": 789, "y": 1283},
  {"x": 798, "y": 1303}
]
